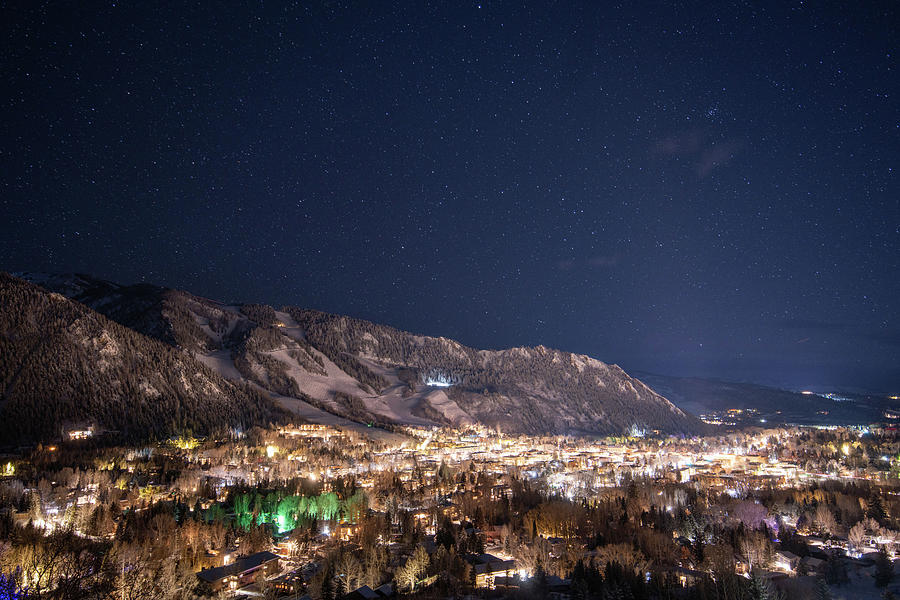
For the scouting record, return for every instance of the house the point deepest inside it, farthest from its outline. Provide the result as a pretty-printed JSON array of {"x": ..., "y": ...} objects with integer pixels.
[
  {"x": 242, "y": 572},
  {"x": 688, "y": 577},
  {"x": 488, "y": 567},
  {"x": 367, "y": 593},
  {"x": 786, "y": 561},
  {"x": 78, "y": 431},
  {"x": 363, "y": 593},
  {"x": 289, "y": 584}
]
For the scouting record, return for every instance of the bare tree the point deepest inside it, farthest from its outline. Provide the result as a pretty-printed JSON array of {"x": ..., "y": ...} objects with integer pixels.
[
  {"x": 409, "y": 574},
  {"x": 824, "y": 520},
  {"x": 349, "y": 571},
  {"x": 857, "y": 535}
]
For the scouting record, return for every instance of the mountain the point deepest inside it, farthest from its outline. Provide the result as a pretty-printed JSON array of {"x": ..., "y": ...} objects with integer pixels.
[
  {"x": 335, "y": 369},
  {"x": 772, "y": 405},
  {"x": 530, "y": 390},
  {"x": 171, "y": 316},
  {"x": 63, "y": 363}
]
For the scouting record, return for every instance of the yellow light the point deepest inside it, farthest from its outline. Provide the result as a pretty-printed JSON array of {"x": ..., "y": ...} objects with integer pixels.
[
  {"x": 185, "y": 443},
  {"x": 845, "y": 448},
  {"x": 271, "y": 451}
]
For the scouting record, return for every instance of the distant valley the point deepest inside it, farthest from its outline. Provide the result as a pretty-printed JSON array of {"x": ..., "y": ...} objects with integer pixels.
[{"x": 746, "y": 404}]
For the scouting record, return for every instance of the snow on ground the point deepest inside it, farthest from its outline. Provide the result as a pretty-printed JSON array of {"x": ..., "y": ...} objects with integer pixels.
[
  {"x": 290, "y": 327},
  {"x": 315, "y": 415},
  {"x": 320, "y": 387},
  {"x": 862, "y": 587},
  {"x": 577, "y": 363},
  {"x": 401, "y": 409},
  {"x": 220, "y": 362},
  {"x": 447, "y": 407},
  {"x": 391, "y": 402},
  {"x": 203, "y": 323}
]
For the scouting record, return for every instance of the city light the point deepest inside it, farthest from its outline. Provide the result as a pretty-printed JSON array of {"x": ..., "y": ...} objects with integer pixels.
[
  {"x": 439, "y": 381},
  {"x": 573, "y": 471}
]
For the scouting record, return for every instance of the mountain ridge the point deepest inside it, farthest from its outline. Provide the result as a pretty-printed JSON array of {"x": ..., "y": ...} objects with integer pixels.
[
  {"x": 62, "y": 362},
  {"x": 311, "y": 362}
]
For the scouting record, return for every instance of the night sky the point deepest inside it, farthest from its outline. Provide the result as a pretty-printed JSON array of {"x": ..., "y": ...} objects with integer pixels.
[{"x": 704, "y": 189}]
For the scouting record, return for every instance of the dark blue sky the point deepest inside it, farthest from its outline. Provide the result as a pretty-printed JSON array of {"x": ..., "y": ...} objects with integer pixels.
[{"x": 697, "y": 189}]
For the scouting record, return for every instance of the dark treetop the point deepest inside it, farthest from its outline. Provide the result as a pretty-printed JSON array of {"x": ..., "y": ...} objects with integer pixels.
[{"x": 707, "y": 189}]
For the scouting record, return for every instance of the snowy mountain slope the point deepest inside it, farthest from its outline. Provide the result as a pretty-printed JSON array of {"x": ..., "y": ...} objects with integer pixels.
[{"x": 311, "y": 361}]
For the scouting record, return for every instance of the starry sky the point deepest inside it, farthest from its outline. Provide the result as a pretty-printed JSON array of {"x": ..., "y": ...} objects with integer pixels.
[{"x": 703, "y": 189}]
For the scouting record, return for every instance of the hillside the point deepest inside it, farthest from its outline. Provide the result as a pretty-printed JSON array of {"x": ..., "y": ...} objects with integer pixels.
[
  {"x": 528, "y": 390},
  {"x": 61, "y": 362},
  {"x": 324, "y": 366}
]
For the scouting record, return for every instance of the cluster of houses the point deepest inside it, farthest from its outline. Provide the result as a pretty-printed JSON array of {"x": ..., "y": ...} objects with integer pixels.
[{"x": 248, "y": 575}]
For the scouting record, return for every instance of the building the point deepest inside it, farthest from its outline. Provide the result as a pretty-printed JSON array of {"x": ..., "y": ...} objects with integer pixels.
[
  {"x": 786, "y": 561},
  {"x": 289, "y": 584},
  {"x": 363, "y": 593},
  {"x": 242, "y": 572},
  {"x": 78, "y": 431},
  {"x": 367, "y": 593},
  {"x": 489, "y": 567}
]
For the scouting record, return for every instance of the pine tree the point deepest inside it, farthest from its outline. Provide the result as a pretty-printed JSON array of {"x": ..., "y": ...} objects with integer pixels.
[
  {"x": 328, "y": 583},
  {"x": 876, "y": 508},
  {"x": 762, "y": 589},
  {"x": 884, "y": 568},
  {"x": 539, "y": 580},
  {"x": 822, "y": 592},
  {"x": 836, "y": 571}
]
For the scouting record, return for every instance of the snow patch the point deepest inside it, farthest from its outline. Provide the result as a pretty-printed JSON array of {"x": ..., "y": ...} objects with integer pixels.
[
  {"x": 220, "y": 362},
  {"x": 320, "y": 387},
  {"x": 148, "y": 390},
  {"x": 106, "y": 345},
  {"x": 440, "y": 402},
  {"x": 291, "y": 329}
]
